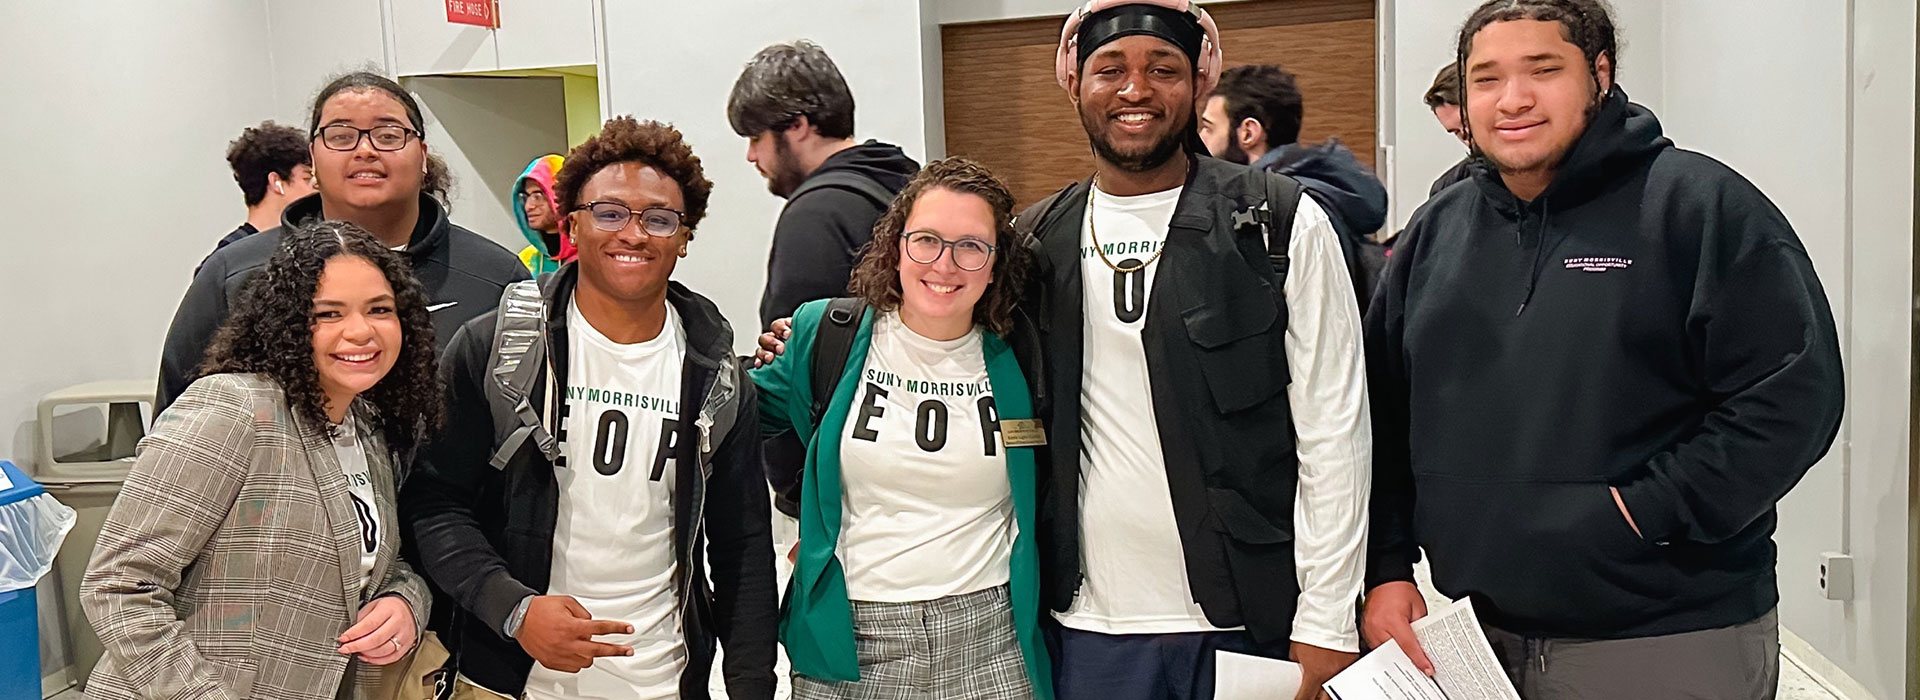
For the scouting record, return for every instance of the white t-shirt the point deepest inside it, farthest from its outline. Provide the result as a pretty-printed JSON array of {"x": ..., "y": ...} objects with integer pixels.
[
  {"x": 353, "y": 465},
  {"x": 613, "y": 537},
  {"x": 928, "y": 510},
  {"x": 1136, "y": 573}
]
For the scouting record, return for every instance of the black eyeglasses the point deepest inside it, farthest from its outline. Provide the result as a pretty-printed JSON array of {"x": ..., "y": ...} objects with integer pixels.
[
  {"x": 346, "y": 137},
  {"x": 613, "y": 217},
  {"x": 925, "y": 247}
]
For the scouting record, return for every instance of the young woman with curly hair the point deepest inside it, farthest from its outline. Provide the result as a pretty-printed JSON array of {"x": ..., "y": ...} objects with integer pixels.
[
  {"x": 253, "y": 551},
  {"x": 917, "y": 573}
]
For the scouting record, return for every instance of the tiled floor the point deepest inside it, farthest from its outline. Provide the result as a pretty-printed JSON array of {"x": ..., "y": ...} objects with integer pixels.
[{"x": 1795, "y": 684}]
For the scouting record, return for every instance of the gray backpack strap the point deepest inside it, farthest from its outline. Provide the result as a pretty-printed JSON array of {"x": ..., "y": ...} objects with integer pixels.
[
  {"x": 719, "y": 412},
  {"x": 519, "y": 352}
]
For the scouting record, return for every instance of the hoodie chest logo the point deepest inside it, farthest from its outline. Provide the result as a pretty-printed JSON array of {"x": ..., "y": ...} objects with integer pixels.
[{"x": 1597, "y": 264}]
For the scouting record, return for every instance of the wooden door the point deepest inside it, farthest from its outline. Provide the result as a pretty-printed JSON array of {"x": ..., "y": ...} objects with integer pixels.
[{"x": 1004, "y": 109}]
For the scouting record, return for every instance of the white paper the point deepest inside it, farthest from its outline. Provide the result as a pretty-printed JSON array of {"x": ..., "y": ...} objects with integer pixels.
[
  {"x": 5, "y": 483},
  {"x": 1463, "y": 664},
  {"x": 1243, "y": 677},
  {"x": 1463, "y": 661},
  {"x": 1384, "y": 674}
]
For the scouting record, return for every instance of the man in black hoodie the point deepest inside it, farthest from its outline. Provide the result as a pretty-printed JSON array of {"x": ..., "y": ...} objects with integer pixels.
[
  {"x": 1595, "y": 370},
  {"x": 371, "y": 164},
  {"x": 1253, "y": 118},
  {"x": 796, "y": 112}
]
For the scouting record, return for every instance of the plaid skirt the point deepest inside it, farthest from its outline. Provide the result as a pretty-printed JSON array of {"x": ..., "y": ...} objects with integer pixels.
[{"x": 959, "y": 646}]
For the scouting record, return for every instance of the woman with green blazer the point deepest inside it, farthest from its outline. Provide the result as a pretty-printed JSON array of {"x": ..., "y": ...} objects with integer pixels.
[{"x": 917, "y": 571}]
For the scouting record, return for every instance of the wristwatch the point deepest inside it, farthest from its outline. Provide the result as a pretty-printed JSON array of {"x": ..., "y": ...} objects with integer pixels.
[{"x": 518, "y": 617}]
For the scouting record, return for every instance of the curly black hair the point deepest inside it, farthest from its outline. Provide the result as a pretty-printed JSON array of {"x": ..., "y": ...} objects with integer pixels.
[
  {"x": 650, "y": 143},
  {"x": 271, "y": 333},
  {"x": 267, "y": 148},
  {"x": 876, "y": 277}
]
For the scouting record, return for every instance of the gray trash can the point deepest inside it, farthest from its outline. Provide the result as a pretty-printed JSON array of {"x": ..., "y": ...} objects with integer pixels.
[{"x": 87, "y": 435}]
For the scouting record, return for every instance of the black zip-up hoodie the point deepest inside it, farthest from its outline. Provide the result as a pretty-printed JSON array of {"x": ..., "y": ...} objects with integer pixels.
[
  {"x": 485, "y": 536},
  {"x": 1649, "y": 322},
  {"x": 462, "y": 271},
  {"x": 820, "y": 232}
]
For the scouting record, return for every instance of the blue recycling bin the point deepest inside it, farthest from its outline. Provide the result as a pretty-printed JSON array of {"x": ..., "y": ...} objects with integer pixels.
[
  {"x": 24, "y": 525},
  {"x": 19, "y": 646}
]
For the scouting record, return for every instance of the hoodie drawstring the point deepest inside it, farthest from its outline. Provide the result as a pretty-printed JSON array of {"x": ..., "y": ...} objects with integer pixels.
[{"x": 1540, "y": 250}]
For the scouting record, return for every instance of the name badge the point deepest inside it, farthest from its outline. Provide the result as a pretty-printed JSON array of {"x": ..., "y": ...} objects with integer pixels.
[{"x": 1023, "y": 432}]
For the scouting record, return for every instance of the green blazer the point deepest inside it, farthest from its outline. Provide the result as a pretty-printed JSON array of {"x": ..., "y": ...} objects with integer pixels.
[{"x": 817, "y": 626}]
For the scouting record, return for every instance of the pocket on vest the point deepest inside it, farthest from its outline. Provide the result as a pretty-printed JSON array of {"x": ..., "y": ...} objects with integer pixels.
[{"x": 1240, "y": 358}]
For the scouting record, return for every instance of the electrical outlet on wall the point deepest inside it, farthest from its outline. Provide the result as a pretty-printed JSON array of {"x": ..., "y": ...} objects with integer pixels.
[{"x": 1836, "y": 575}]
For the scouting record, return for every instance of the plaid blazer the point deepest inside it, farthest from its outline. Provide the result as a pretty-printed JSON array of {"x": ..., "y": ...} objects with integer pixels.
[{"x": 230, "y": 564}]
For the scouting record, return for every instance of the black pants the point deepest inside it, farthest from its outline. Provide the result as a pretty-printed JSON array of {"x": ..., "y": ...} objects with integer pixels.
[{"x": 1094, "y": 666}]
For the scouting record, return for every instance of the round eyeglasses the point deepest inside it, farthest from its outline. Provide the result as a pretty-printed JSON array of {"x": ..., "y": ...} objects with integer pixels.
[
  {"x": 613, "y": 217},
  {"x": 346, "y": 137},
  {"x": 925, "y": 247}
]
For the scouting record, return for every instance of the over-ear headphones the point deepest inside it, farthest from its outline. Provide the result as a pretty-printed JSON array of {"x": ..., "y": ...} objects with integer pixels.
[{"x": 1207, "y": 66}]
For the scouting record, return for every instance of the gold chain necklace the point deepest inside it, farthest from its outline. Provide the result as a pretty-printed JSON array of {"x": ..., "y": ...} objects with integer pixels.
[{"x": 1097, "y": 250}]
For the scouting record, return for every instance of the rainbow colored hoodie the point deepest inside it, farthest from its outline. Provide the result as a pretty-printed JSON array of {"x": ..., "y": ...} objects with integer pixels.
[{"x": 538, "y": 259}]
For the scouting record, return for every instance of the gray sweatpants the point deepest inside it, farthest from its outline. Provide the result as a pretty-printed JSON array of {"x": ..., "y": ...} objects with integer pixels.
[{"x": 1741, "y": 662}]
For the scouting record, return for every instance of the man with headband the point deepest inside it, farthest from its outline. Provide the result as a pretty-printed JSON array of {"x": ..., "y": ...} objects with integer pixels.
[{"x": 1200, "y": 344}]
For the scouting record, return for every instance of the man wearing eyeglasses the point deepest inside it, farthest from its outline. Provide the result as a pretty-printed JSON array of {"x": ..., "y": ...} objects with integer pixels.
[
  {"x": 601, "y": 452},
  {"x": 539, "y": 219},
  {"x": 372, "y": 167}
]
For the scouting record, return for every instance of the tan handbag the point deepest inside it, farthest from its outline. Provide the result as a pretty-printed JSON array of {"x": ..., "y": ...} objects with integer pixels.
[{"x": 417, "y": 677}]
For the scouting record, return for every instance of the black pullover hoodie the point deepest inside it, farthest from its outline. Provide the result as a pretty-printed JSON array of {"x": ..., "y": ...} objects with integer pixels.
[
  {"x": 820, "y": 233},
  {"x": 462, "y": 272},
  {"x": 1649, "y": 322}
]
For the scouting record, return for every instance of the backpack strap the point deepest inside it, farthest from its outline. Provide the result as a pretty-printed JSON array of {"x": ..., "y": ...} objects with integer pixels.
[
  {"x": 1283, "y": 201},
  {"x": 1271, "y": 215},
  {"x": 1027, "y": 223},
  {"x": 519, "y": 352},
  {"x": 846, "y": 180},
  {"x": 832, "y": 342}
]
